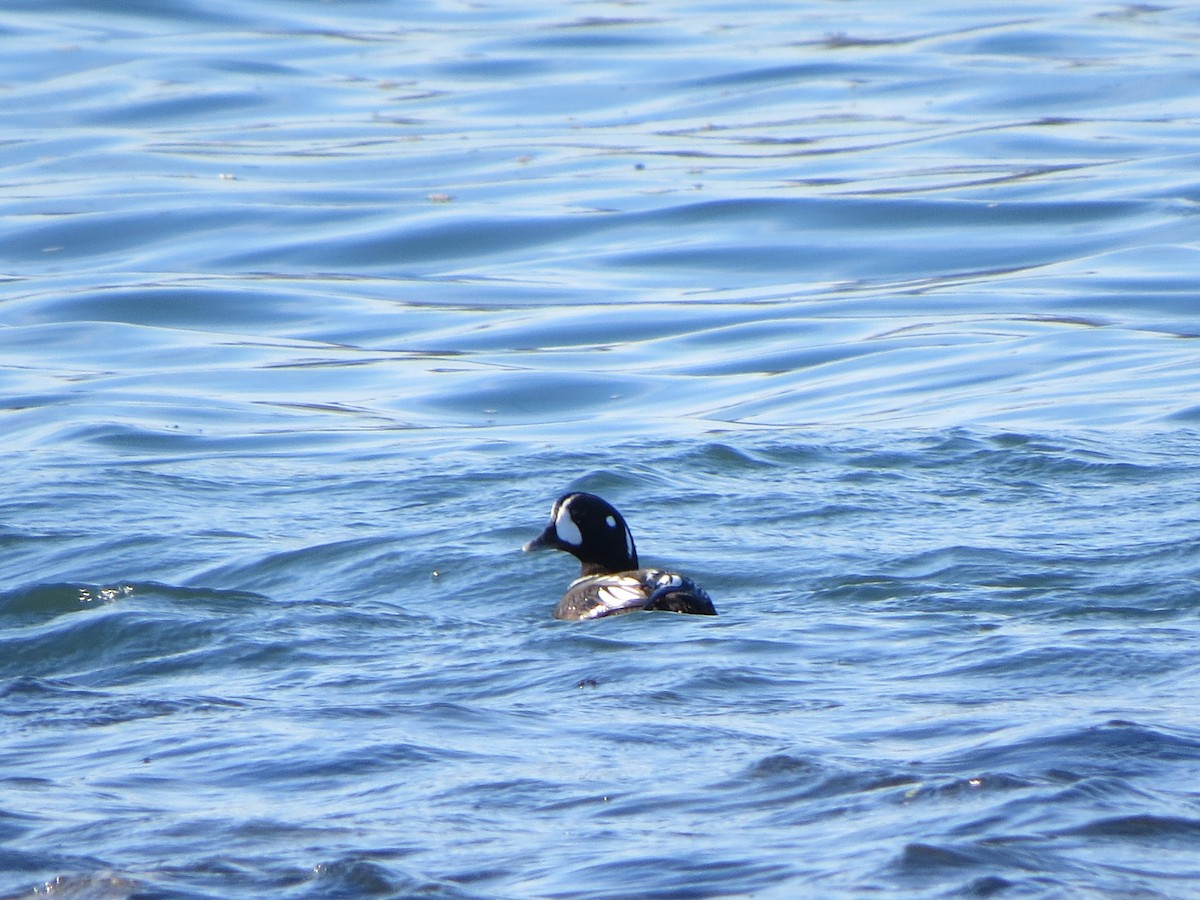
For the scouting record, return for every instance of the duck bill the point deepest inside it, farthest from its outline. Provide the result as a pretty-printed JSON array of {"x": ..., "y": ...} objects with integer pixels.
[{"x": 547, "y": 540}]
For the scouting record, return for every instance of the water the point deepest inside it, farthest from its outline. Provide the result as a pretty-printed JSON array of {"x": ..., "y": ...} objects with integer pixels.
[{"x": 876, "y": 319}]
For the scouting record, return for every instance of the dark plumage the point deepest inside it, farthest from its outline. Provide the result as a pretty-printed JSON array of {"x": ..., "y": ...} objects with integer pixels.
[{"x": 610, "y": 581}]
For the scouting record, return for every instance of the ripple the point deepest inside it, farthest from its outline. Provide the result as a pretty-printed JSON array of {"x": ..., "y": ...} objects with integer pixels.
[{"x": 884, "y": 329}]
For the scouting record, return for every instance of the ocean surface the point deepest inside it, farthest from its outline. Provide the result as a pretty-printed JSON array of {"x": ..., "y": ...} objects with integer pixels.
[{"x": 880, "y": 320}]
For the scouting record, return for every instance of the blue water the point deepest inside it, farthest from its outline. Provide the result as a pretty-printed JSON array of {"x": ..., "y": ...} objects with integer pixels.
[{"x": 877, "y": 319}]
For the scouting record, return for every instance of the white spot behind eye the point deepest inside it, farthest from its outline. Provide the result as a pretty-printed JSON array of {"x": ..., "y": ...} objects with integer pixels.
[
  {"x": 610, "y": 522},
  {"x": 565, "y": 527}
]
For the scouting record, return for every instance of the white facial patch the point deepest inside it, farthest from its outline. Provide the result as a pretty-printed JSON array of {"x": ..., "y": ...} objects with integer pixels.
[
  {"x": 565, "y": 527},
  {"x": 610, "y": 522}
]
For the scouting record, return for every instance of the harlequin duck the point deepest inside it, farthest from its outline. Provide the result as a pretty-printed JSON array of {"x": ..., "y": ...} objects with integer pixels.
[{"x": 610, "y": 582}]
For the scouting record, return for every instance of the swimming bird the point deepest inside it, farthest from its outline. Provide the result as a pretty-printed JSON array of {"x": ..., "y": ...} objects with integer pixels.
[{"x": 610, "y": 582}]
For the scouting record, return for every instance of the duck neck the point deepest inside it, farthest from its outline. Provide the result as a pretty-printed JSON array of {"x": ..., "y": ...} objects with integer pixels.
[
  {"x": 608, "y": 566},
  {"x": 594, "y": 568}
]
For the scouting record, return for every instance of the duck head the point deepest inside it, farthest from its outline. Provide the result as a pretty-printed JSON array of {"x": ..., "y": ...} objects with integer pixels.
[{"x": 590, "y": 529}]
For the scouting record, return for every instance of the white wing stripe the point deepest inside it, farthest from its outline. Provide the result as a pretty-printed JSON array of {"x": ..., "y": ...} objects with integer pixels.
[{"x": 621, "y": 594}]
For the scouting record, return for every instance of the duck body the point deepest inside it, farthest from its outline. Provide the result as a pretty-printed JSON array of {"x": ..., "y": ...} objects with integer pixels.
[
  {"x": 596, "y": 596},
  {"x": 610, "y": 582}
]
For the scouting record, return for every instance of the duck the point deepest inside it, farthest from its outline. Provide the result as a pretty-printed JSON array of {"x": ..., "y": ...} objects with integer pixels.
[{"x": 610, "y": 581}]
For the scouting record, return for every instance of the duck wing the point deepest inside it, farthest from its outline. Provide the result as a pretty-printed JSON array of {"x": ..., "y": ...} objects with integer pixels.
[{"x": 677, "y": 593}]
